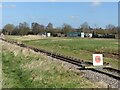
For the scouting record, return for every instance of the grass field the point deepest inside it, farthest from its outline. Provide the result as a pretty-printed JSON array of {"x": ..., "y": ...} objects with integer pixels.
[
  {"x": 24, "y": 70},
  {"x": 23, "y": 38},
  {"x": 80, "y": 48},
  {"x": 77, "y": 47},
  {"x": 74, "y": 44}
]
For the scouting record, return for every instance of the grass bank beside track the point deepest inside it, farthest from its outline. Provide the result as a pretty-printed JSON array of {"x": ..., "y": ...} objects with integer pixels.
[{"x": 24, "y": 69}]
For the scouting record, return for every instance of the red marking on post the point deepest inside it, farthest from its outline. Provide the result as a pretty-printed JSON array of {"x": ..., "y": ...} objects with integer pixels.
[{"x": 97, "y": 59}]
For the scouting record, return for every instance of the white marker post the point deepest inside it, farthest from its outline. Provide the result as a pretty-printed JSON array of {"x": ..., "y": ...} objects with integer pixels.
[
  {"x": 97, "y": 59},
  {"x": 48, "y": 34}
]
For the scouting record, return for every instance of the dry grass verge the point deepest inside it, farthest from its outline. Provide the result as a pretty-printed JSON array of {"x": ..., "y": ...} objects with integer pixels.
[{"x": 25, "y": 68}]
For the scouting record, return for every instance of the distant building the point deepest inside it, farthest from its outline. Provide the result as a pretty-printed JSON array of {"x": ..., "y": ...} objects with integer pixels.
[
  {"x": 82, "y": 34},
  {"x": 90, "y": 35},
  {"x": 1, "y": 36},
  {"x": 116, "y": 36},
  {"x": 60, "y": 35},
  {"x": 86, "y": 34},
  {"x": 48, "y": 34},
  {"x": 73, "y": 34}
]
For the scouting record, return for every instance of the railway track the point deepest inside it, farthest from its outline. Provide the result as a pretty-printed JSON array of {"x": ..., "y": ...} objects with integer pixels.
[{"x": 111, "y": 72}]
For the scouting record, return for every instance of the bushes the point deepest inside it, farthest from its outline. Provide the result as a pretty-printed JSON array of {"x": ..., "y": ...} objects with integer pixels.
[{"x": 103, "y": 36}]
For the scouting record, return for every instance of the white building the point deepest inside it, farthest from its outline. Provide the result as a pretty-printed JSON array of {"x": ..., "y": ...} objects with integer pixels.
[
  {"x": 82, "y": 34},
  {"x": 48, "y": 34},
  {"x": 90, "y": 35},
  {"x": 2, "y": 36}
]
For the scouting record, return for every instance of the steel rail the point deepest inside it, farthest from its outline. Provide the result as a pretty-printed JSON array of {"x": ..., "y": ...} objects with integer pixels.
[{"x": 68, "y": 59}]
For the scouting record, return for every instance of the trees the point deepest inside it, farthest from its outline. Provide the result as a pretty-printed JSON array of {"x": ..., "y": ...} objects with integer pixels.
[
  {"x": 49, "y": 26},
  {"x": 37, "y": 28},
  {"x": 66, "y": 28},
  {"x": 112, "y": 29},
  {"x": 16, "y": 31},
  {"x": 8, "y": 28},
  {"x": 85, "y": 27},
  {"x": 110, "y": 26},
  {"x": 100, "y": 31},
  {"x": 0, "y": 30},
  {"x": 23, "y": 28}
]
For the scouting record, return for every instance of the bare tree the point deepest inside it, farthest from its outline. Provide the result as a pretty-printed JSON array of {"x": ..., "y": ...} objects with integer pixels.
[
  {"x": 37, "y": 28},
  {"x": 110, "y": 26},
  {"x": 49, "y": 26},
  {"x": 8, "y": 29},
  {"x": 85, "y": 27},
  {"x": 67, "y": 28},
  {"x": 23, "y": 28}
]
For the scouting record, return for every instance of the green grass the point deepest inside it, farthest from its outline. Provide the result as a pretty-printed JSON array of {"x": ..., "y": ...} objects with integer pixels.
[
  {"x": 13, "y": 74},
  {"x": 23, "y": 70},
  {"x": 77, "y": 47},
  {"x": 37, "y": 71},
  {"x": 71, "y": 44}
]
